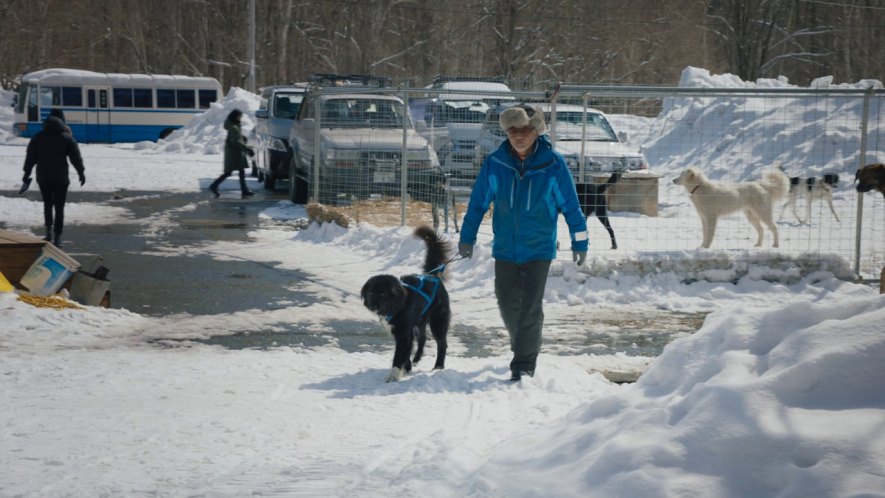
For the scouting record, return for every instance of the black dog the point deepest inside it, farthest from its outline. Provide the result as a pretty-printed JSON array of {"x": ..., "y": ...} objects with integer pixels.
[
  {"x": 436, "y": 192},
  {"x": 592, "y": 198},
  {"x": 412, "y": 302}
]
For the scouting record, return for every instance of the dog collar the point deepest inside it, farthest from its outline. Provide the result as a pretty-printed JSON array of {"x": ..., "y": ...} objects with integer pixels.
[{"x": 695, "y": 188}]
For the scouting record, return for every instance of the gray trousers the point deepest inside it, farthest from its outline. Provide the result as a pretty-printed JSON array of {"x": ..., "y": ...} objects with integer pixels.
[{"x": 520, "y": 293}]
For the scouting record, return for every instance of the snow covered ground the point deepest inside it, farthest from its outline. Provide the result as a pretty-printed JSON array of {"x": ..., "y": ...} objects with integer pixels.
[{"x": 778, "y": 394}]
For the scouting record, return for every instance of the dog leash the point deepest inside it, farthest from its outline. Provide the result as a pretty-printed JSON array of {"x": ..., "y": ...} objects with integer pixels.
[{"x": 441, "y": 268}]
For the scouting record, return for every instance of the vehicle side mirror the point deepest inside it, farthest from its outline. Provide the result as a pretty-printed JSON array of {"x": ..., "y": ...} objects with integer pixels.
[
  {"x": 622, "y": 137},
  {"x": 261, "y": 114},
  {"x": 307, "y": 122}
]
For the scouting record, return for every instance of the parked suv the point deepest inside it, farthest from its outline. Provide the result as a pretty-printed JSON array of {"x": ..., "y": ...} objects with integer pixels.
[
  {"x": 451, "y": 121},
  {"x": 357, "y": 143},
  {"x": 605, "y": 151},
  {"x": 273, "y": 120}
]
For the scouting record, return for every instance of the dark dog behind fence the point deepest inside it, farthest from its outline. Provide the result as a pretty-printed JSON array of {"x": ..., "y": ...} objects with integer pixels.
[{"x": 592, "y": 199}]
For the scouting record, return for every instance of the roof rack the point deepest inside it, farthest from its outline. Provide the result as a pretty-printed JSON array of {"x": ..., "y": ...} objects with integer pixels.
[
  {"x": 439, "y": 79},
  {"x": 331, "y": 79}
]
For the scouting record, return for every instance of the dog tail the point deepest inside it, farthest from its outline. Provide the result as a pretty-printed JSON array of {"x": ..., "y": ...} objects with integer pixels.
[
  {"x": 437, "y": 250},
  {"x": 776, "y": 183}
]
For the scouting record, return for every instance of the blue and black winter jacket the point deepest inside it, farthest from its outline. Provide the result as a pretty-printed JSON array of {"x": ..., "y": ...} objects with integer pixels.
[{"x": 528, "y": 197}]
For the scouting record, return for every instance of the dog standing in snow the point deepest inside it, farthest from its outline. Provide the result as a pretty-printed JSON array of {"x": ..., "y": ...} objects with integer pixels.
[
  {"x": 411, "y": 303},
  {"x": 756, "y": 200},
  {"x": 812, "y": 189}
]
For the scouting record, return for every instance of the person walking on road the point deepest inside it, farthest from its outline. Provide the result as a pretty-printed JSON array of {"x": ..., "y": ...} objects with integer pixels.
[
  {"x": 235, "y": 152},
  {"x": 529, "y": 184},
  {"x": 49, "y": 150}
]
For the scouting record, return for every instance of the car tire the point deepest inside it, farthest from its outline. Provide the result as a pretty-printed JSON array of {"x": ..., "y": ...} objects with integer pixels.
[
  {"x": 270, "y": 182},
  {"x": 297, "y": 186}
]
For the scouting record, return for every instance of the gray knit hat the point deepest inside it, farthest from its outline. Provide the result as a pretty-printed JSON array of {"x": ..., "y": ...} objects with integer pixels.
[{"x": 522, "y": 115}]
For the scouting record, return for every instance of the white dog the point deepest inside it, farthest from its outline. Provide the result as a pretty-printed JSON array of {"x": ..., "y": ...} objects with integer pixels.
[{"x": 755, "y": 199}]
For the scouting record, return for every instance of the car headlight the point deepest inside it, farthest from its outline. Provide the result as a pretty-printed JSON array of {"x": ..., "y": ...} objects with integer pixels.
[
  {"x": 278, "y": 144},
  {"x": 421, "y": 158},
  {"x": 342, "y": 157},
  {"x": 635, "y": 163}
]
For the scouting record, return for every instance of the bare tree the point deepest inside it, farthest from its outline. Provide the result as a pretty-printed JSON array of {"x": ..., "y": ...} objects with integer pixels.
[{"x": 534, "y": 43}]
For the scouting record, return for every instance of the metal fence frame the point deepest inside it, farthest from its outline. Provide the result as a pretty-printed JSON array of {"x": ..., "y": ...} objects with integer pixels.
[{"x": 583, "y": 94}]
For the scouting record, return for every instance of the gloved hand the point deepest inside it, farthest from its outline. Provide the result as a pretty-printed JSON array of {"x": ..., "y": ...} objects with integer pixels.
[
  {"x": 465, "y": 250},
  {"x": 82, "y": 179},
  {"x": 250, "y": 152},
  {"x": 579, "y": 257},
  {"x": 26, "y": 178}
]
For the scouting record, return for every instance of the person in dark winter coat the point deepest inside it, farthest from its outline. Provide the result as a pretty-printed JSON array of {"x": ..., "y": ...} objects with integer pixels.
[
  {"x": 49, "y": 151},
  {"x": 235, "y": 152},
  {"x": 529, "y": 184}
]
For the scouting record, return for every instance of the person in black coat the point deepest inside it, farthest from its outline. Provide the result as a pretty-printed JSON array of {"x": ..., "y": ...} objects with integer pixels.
[
  {"x": 49, "y": 151},
  {"x": 235, "y": 152}
]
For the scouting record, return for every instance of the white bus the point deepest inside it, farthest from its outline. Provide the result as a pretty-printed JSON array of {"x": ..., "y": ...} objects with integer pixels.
[{"x": 109, "y": 107}]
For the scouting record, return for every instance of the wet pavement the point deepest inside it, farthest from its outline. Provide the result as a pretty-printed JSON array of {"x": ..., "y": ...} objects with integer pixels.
[{"x": 147, "y": 282}]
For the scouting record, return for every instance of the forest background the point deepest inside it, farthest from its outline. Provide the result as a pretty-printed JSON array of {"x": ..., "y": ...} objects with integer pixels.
[{"x": 530, "y": 43}]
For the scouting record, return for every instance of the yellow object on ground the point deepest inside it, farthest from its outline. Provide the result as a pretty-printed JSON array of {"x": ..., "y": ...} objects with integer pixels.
[
  {"x": 5, "y": 286},
  {"x": 53, "y": 301}
]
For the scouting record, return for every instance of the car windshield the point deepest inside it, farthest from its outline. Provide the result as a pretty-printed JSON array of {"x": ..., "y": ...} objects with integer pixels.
[
  {"x": 286, "y": 105},
  {"x": 362, "y": 113},
  {"x": 569, "y": 127},
  {"x": 456, "y": 111}
]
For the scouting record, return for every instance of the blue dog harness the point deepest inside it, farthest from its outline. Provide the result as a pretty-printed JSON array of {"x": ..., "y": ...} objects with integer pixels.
[
  {"x": 419, "y": 289},
  {"x": 429, "y": 277}
]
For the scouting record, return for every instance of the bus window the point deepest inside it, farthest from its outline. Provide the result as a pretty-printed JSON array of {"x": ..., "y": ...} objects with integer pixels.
[
  {"x": 142, "y": 97},
  {"x": 122, "y": 97},
  {"x": 50, "y": 96},
  {"x": 21, "y": 98},
  {"x": 207, "y": 97},
  {"x": 165, "y": 98},
  {"x": 185, "y": 99},
  {"x": 33, "y": 109},
  {"x": 72, "y": 96}
]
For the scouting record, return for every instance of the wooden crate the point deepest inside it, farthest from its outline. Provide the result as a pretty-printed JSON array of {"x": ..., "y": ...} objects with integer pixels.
[{"x": 17, "y": 253}]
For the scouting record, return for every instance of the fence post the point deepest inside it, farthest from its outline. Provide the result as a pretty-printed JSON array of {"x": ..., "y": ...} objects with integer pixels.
[
  {"x": 861, "y": 160},
  {"x": 404, "y": 162},
  {"x": 317, "y": 150}
]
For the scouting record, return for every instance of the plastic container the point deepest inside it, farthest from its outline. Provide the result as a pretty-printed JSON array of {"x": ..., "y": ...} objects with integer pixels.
[
  {"x": 50, "y": 272},
  {"x": 89, "y": 288}
]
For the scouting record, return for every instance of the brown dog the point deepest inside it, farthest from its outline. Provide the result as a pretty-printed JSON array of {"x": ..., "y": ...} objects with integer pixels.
[{"x": 871, "y": 177}]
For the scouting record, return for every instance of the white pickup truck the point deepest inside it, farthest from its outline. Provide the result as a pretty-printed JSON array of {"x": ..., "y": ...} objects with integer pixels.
[{"x": 353, "y": 148}]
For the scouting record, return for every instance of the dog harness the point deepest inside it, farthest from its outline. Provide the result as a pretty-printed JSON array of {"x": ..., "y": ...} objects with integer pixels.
[{"x": 419, "y": 289}]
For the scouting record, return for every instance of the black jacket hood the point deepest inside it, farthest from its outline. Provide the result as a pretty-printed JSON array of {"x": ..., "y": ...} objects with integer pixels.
[{"x": 54, "y": 125}]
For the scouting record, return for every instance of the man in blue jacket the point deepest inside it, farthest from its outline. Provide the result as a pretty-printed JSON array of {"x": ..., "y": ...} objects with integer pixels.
[{"x": 529, "y": 184}]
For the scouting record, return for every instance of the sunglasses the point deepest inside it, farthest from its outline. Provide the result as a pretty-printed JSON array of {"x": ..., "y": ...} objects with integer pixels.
[{"x": 525, "y": 130}]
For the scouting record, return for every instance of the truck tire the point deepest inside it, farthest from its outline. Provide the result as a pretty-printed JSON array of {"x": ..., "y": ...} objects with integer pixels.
[
  {"x": 270, "y": 182},
  {"x": 297, "y": 186}
]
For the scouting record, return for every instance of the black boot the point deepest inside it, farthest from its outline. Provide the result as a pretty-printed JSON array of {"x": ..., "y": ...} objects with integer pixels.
[
  {"x": 57, "y": 240},
  {"x": 48, "y": 237}
]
